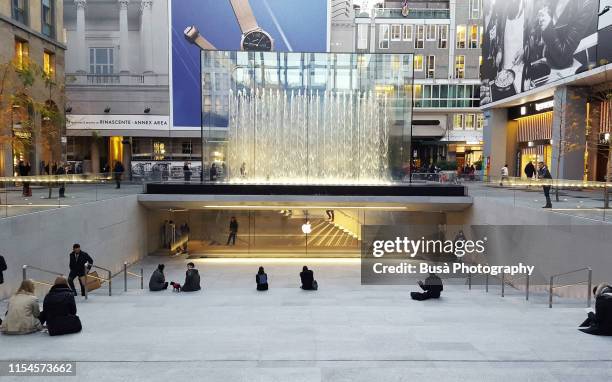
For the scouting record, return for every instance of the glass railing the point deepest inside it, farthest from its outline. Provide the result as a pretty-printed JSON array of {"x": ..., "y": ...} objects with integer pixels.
[
  {"x": 413, "y": 13},
  {"x": 28, "y": 194}
]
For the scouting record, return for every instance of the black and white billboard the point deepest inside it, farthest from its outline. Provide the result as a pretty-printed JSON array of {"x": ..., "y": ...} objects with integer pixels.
[{"x": 530, "y": 43}]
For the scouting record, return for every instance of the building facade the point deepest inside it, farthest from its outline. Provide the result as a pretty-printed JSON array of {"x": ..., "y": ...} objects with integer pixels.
[
  {"x": 32, "y": 100},
  {"x": 117, "y": 85},
  {"x": 445, "y": 38}
]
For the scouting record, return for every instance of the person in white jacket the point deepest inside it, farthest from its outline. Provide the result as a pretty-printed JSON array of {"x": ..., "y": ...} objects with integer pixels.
[
  {"x": 504, "y": 174},
  {"x": 23, "y": 312}
]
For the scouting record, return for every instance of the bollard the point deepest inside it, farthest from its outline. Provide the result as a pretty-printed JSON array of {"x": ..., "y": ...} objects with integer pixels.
[
  {"x": 503, "y": 283},
  {"x": 84, "y": 286},
  {"x": 125, "y": 277},
  {"x": 527, "y": 288},
  {"x": 589, "y": 285},
  {"x": 487, "y": 283},
  {"x": 550, "y": 290},
  {"x": 24, "y": 272},
  {"x": 141, "y": 278},
  {"x": 110, "y": 283}
]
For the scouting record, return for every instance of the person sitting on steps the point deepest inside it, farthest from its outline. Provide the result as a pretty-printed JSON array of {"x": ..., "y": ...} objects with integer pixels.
[
  {"x": 261, "y": 279},
  {"x": 158, "y": 280},
  {"x": 192, "y": 279},
  {"x": 432, "y": 288},
  {"x": 600, "y": 321},
  {"x": 307, "y": 278}
]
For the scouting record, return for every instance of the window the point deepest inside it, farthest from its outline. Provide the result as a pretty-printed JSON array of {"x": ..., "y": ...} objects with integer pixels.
[
  {"x": 431, "y": 66},
  {"x": 22, "y": 53},
  {"x": 101, "y": 61},
  {"x": 418, "y": 62},
  {"x": 479, "y": 121},
  {"x": 475, "y": 9},
  {"x": 431, "y": 32},
  {"x": 407, "y": 33},
  {"x": 49, "y": 64},
  {"x": 443, "y": 37},
  {"x": 186, "y": 148},
  {"x": 470, "y": 121},
  {"x": 48, "y": 17},
  {"x": 159, "y": 150},
  {"x": 459, "y": 66},
  {"x": 458, "y": 121},
  {"x": 461, "y": 37},
  {"x": 418, "y": 91},
  {"x": 383, "y": 38},
  {"x": 396, "y": 32},
  {"x": 420, "y": 37},
  {"x": 474, "y": 36},
  {"x": 207, "y": 104},
  {"x": 20, "y": 10},
  {"x": 362, "y": 38}
]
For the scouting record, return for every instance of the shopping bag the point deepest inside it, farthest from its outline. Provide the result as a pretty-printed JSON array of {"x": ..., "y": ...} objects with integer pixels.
[{"x": 93, "y": 281}]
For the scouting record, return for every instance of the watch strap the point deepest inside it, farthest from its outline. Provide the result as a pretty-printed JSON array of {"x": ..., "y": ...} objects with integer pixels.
[
  {"x": 204, "y": 43},
  {"x": 244, "y": 15}
]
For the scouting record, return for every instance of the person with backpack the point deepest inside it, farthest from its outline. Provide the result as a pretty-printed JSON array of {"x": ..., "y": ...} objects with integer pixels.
[
  {"x": 261, "y": 278},
  {"x": 59, "y": 310},
  {"x": 307, "y": 278}
]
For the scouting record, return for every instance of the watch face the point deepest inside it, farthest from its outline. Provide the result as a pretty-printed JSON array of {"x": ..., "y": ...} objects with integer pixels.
[{"x": 257, "y": 41}]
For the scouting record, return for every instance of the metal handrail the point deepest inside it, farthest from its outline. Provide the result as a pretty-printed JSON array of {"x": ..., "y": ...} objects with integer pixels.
[
  {"x": 109, "y": 279},
  {"x": 509, "y": 282},
  {"x": 25, "y": 267},
  {"x": 589, "y": 283},
  {"x": 126, "y": 273}
]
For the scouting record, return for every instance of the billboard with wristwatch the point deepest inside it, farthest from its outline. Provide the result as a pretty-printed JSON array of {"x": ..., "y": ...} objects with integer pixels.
[{"x": 236, "y": 25}]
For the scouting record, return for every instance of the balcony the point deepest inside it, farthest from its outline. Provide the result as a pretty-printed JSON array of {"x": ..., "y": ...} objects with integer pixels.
[
  {"x": 415, "y": 13},
  {"x": 79, "y": 79}
]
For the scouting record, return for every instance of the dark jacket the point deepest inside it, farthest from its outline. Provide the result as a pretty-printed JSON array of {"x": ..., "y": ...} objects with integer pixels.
[
  {"x": 234, "y": 226},
  {"x": 119, "y": 169},
  {"x": 307, "y": 278},
  {"x": 529, "y": 170},
  {"x": 59, "y": 311},
  {"x": 544, "y": 173},
  {"x": 77, "y": 265},
  {"x": 602, "y": 323},
  {"x": 157, "y": 281},
  {"x": 433, "y": 286},
  {"x": 2, "y": 269},
  {"x": 262, "y": 281},
  {"x": 192, "y": 281}
]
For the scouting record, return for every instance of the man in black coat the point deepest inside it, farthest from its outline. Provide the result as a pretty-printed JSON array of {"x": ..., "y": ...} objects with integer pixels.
[
  {"x": 192, "y": 279},
  {"x": 543, "y": 173},
  {"x": 307, "y": 278},
  {"x": 529, "y": 170},
  {"x": 78, "y": 259},
  {"x": 2, "y": 269},
  {"x": 233, "y": 231},
  {"x": 432, "y": 288},
  {"x": 59, "y": 310}
]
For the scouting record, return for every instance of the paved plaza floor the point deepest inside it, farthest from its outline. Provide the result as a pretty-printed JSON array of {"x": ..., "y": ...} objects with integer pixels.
[{"x": 343, "y": 332}]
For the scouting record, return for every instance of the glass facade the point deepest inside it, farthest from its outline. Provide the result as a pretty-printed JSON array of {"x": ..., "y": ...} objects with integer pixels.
[{"x": 306, "y": 118}]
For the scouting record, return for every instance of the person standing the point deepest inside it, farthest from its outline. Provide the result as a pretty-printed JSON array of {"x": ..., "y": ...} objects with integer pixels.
[
  {"x": 213, "y": 172},
  {"x": 543, "y": 173},
  {"x": 187, "y": 172},
  {"x": 60, "y": 170},
  {"x": 233, "y": 231},
  {"x": 504, "y": 174},
  {"x": 78, "y": 259},
  {"x": 118, "y": 172},
  {"x": 243, "y": 170},
  {"x": 23, "y": 170},
  {"x": 529, "y": 170}
]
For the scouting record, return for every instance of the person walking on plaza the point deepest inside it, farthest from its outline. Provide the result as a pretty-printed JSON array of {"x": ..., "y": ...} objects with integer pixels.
[
  {"x": 24, "y": 169},
  {"x": 118, "y": 172},
  {"x": 330, "y": 215},
  {"x": 307, "y": 279},
  {"x": 543, "y": 173},
  {"x": 192, "y": 279},
  {"x": 233, "y": 231},
  {"x": 261, "y": 279},
  {"x": 59, "y": 310},
  {"x": 187, "y": 172},
  {"x": 158, "y": 280},
  {"x": 432, "y": 287},
  {"x": 504, "y": 174},
  {"x": 78, "y": 259},
  {"x": 22, "y": 312}
]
